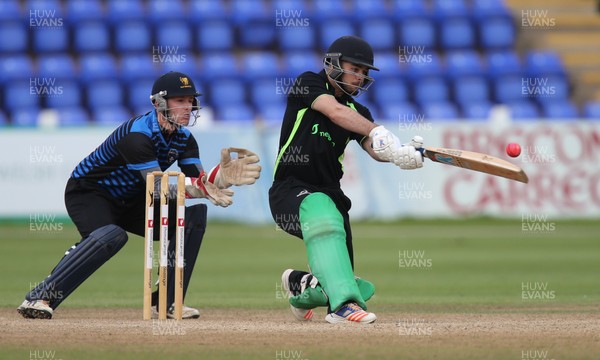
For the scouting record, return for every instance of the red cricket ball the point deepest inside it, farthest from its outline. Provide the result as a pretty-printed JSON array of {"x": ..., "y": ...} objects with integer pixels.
[{"x": 513, "y": 149}]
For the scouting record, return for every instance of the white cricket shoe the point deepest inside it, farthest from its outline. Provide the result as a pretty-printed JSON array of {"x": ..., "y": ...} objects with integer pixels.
[
  {"x": 350, "y": 312},
  {"x": 299, "y": 314},
  {"x": 186, "y": 313},
  {"x": 35, "y": 309}
]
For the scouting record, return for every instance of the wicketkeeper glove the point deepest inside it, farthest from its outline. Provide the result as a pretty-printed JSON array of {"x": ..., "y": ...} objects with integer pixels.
[
  {"x": 201, "y": 188},
  {"x": 243, "y": 170}
]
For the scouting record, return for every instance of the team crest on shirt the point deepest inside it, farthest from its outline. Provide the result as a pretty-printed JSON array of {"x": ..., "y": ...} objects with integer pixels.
[{"x": 172, "y": 156}]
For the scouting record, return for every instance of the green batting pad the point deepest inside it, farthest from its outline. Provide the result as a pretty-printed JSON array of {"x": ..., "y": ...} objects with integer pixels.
[
  {"x": 325, "y": 241},
  {"x": 315, "y": 297}
]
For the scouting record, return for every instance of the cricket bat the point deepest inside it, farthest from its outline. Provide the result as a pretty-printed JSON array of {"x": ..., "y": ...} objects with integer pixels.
[{"x": 477, "y": 162}]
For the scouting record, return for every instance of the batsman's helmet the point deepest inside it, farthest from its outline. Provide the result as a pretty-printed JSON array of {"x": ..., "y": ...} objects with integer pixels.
[
  {"x": 174, "y": 84},
  {"x": 351, "y": 49}
]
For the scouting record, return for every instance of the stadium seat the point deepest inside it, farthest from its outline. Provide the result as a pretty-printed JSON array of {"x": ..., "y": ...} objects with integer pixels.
[
  {"x": 591, "y": 110},
  {"x": 440, "y": 110},
  {"x": 272, "y": 113},
  {"x": 159, "y": 11},
  {"x": 48, "y": 8},
  {"x": 227, "y": 92},
  {"x": 256, "y": 21},
  {"x": 523, "y": 110},
  {"x": 331, "y": 10},
  {"x": 258, "y": 35},
  {"x": 138, "y": 94},
  {"x": 70, "y": 95},
  {"x": 73, "y": 116},
  {"x": 122, "y": 10},
  {"x": 389, "y": 91},
  {"x": 138, "y": 66},
  {"x": 92, "y": 36},
  {"x": 99, "y": 66},
  {"x": 560, "y": 110},
  {"x": 297, "y": 62},
  {"x": 269, "y": 91},
  {"x": 16, "y": 67},
  {"x": 461, "y": 63},
  {"x": 219, "y": 65},
  {"x": 235, "y": 112},
  {"x": 105, "y": 93},
  {"x": 296, "y": 38},
  {"x": 456, "y": 33},
  {"x": 509, "y": 89},
  {"x": 110, "y": 116},
  {"x": 17, "y": 33},
  {"x": 379, "y": 33},
  {"x": 406, "y": 9},
  {"x": 132, "y": 36},
  {"x": 60, "y": 65},
  {"x": 331, "y": 30},
  {"x": 79, "y": 11},
  {"x": 371, "y": 106},
  {"x": 550, "y": 88},
  {"x": 215, "y": 36},
  {"x": 503, "y": 63},
  {"x": 186, "y": 63},
  {"x": 445, "y": 9},
  {"x": 471, "y": 88},
  {"x": 25, "y": 117},
  {"x": 497, "y": 33},
  {"x": 479, "y": 110},
  {"x": 3, "y": 119},
  {"x": 417, "y": 32},
  {"x": 388, "y": 64},
  {"x": 420, "y": 65},
  {"x": 55, "y": 40},
  {"x": 262, "y": 64},
  {"x": 22, "y": 94},
  {"x": 485, "y": 9},
  {"x": 11, "y": 10},
  {"x": 432, "y": 89},
  {"x": 373, "y": 9},
  {"x": 543, "y": 63},
  {"x": 172, "y": 38},
  {"x": 207, "y": 10},
  {"x": 398, "y": 110}
]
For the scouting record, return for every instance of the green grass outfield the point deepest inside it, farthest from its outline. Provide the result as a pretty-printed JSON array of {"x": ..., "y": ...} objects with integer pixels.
[{"x": 464, "y": 264}]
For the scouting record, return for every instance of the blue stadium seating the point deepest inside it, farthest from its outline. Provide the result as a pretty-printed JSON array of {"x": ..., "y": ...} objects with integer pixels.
[
  {"x": 71, "y": 95},
  {"x": 332, "y": 29},
  {"x": 173, "y": 37},
  {"x": 523, "y": 110},
  {"x": 365, "y": 10},
  {"x": 551, "y": 88},
  {"x": 136, "y": 66},
  {"x": 269, "y": 91},
  {"x": 272, "y": 113},
  {"x": 296, "y": 38},
  {"x": 54, "y": 6},
  {"x": 215, "y": 36},
  {"x": 509, "y": 88},
  {"x": 395, "y": 111},
  {"x": 497, "y": 33},
  {"x": 456, "y": 33},
  {"x": 132, "y": 36},
  {"x": 503, "y": 63},
  {"x": 444, "y": 9},
  {"x": 59, "y": 65},
  {"x": 99, "y": 66},
  {"x": 389, "y": 91},
  {"x": 22, "y": 95},
  {"x": 328, "y": 10},
  {"x": 485, "y": 9},
  {"x": 422, "y": 66},
  {"x": 105, "y": 93},
  {"x": 123, "y": 10},
  {"x": 206, "y": 10},
  {"x": 235, "y": 112},
  {"x": 219, "y": 65},
  {"x": 472, "y": 88},
  {"x": 25, "y": 117},
  {"x": 256, "y": 21},
  {"x": 372, "y": 107},
  {"x": 73, "y": 116},
  {"x": 11, "y": 10},
  {"x": 479, "y": 110},
  {"x": 3, "y": 119},
  {"x": 111, "y": 116},
  {"x": 17, "y": 33},
  {"x": 166, "y": 10},
  {"x": 224, "y": 93},
  {"x": 560, "y": 110},
  {"x": 92, "y": 36},
  {"x": 431, "y": 89},
  {"x": 380, "y": 33},
  {"x": 389, "y": 66},
  {"x": 440, "y": 110},
  {"x": 16, "y": 67},
  {"x": 591, "y": 110},
  {"x": 138, "y": 94},
  {"x": 418, "y": 32},
  {"x": 55, "y": 40},
  {"x": 405, "y": 9},
  {"x": 461, "y": 63},
  {"x": 543, "y": 63},
  {"x": 297, "y": 62},
  {"x": 261, "y": 64},
  {"x": 78, "y": 11}
]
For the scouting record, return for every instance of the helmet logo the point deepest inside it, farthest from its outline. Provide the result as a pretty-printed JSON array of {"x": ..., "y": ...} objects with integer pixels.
[{"x": 185, "y": 82}]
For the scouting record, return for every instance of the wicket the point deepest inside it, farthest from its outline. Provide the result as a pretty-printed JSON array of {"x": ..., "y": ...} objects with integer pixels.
[{"x": 164, "y": 244}]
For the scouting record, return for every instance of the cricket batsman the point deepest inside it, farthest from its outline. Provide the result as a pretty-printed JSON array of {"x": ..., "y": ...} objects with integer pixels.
[
  {"x": 105, "y": 194},
  {"x": 306, "y": 200}
]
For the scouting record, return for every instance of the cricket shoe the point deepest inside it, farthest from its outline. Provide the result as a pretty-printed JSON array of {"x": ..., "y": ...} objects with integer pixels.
[
  {"x": 350, "y": 312},
  {"x": 299, "y": 314},
  {"x": 186, "y": 313},
  {"x": 35, "y": 309}
]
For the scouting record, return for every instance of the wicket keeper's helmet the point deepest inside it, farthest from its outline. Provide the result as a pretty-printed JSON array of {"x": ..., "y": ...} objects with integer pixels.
[{"x": 173, "y": 84}]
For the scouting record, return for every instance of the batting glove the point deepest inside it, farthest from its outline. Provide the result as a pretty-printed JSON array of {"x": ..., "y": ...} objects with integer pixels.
[{"x": 384, "y": 143}]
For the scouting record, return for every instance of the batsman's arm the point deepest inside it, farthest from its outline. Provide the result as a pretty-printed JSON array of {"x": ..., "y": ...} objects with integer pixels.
[{"x": 342, "y": 115}]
